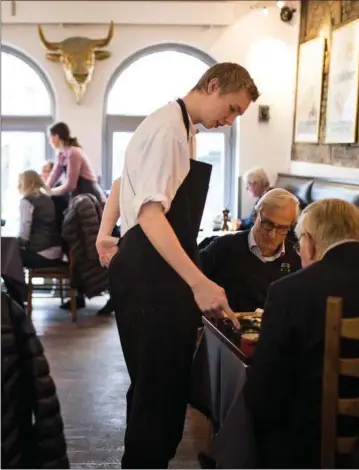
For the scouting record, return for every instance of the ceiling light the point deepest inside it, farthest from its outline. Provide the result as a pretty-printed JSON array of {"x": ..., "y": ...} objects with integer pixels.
[{"x": 280, "y": 4}]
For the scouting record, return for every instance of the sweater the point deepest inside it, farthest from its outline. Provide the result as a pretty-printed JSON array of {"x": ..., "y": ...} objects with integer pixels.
[{"x": 245, "y": 278}]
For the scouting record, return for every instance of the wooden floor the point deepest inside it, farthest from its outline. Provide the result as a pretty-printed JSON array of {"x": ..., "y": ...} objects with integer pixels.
[{"x": 88, "y": 367}]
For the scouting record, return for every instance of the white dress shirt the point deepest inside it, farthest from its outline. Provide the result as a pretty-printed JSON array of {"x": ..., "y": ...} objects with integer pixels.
[
  {"x": 157, "y": 161},
  {"x": 254, "y": 248}
]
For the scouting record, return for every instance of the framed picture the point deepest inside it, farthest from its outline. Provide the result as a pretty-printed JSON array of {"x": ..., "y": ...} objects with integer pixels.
[
  {"x": 342, "y": 104},
  {"x": 309, "y": 90}
]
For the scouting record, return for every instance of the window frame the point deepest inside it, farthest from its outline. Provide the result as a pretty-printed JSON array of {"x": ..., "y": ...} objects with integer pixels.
[
  {"x": 28, "y": 123},
  {"x": 124, "y": 123}
]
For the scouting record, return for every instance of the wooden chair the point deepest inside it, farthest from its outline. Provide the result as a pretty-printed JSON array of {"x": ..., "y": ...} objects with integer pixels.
[
  {"x": 60, "y": 273},
  {"x": 337, "y": 328}
]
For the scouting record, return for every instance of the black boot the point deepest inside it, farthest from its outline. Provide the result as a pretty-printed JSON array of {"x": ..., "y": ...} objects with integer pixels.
[
  {"x": 106, "y": 310},
  {"x": 206, "y": 461},
  {"x": 80, "y": 303}
]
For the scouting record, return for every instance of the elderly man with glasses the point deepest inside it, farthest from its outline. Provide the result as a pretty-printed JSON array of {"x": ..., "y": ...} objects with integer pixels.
[
  {"x": 284, "y": 386},
  {"x": 245, "y": 263}
]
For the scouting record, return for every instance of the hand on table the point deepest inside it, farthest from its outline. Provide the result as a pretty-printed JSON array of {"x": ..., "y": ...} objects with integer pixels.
[
  {"x": 212, "y": 301},
  {"x": 106, "y": 249}
]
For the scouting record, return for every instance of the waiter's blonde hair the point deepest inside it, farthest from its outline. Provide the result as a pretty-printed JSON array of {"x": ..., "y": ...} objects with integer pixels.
[{"x": 231, "y": 77}]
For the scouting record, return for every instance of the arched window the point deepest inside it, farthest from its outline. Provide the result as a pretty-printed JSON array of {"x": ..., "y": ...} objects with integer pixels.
[
  {"x": 148, "y": 80},
  {"x": 27, "y": 109}
]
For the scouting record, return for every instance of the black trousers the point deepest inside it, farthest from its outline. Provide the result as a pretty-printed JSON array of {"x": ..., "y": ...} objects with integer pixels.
[
  {"x": 30, "y": 259},
  {"x": 158, "y": 347}
]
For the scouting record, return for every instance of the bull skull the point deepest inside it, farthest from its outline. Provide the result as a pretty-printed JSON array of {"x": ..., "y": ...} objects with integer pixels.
[{"x": 78, "y": 56}]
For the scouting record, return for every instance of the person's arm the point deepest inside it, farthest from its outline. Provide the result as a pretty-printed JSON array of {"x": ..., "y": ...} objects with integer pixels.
[
  {"x": 55, "y": 174},
  {"x": 268, "y": 388},
  {"x": 210, "y": 298},
  {"x": 73, "y": 173},
  {"x": 111, "y": 212},
  {"x": 106, "y": 244},
  {"x": 164, "y": 164},
  {"x": 246, "y": 224},
  {"x": 26, "y": 214}
]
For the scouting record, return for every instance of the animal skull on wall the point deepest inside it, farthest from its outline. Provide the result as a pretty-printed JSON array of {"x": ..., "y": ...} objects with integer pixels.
[{"x": 78, "y": 56}]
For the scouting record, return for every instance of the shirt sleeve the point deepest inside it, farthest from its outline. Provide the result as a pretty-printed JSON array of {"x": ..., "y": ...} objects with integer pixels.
[
  {"x": 73, "y": 173},
  {"x": 55, "y": 174},
  {"x": 26, "y": 213},
  {"x": 162, "y": 166}
]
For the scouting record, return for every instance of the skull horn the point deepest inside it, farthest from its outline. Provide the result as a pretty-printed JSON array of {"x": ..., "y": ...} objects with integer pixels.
[
  {"x": 104, "y": 42},
  {"x": 51, "y": 46}
]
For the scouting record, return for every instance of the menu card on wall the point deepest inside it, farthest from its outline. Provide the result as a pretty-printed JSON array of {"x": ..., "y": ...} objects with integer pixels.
[
  {"x": 343, "y": 84},
  {"x": 309, "y": 90}
]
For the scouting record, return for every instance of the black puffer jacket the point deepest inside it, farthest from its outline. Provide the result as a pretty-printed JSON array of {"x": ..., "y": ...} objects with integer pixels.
[
  {"x": 32, "y": 433},
  {"x": 79, "y": 230}
]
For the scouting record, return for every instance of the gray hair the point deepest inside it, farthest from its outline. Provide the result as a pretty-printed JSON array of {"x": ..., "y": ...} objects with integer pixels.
[
  {"x": 257, "y": 175},
  {"x": 277, "y": 198},
  {"x": 329, "y": 221}
]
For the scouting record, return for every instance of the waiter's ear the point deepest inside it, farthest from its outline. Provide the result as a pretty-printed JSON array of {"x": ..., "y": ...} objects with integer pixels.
[{"x": 213, "y": 86}]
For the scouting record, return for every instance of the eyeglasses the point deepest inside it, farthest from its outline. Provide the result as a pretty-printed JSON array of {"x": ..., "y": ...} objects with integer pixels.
[{"x": 269, "y": 226}]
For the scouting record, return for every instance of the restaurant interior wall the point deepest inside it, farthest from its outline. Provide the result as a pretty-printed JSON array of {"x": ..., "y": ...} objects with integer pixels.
[{"x": 231, "y": 31}]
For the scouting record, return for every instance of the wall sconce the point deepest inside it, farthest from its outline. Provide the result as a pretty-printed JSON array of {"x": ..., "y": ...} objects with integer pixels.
[{"x": 263, "y": 113}]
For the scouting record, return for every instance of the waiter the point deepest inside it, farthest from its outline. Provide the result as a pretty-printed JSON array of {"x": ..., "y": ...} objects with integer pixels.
[{"x": 157, "y": 288}]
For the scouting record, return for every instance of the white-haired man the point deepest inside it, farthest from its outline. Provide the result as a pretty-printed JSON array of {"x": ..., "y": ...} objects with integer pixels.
[
  {"x": 246, "y": 262},
  {"x": 284, "y": 384},
  {"x": 257, "y": 183}
]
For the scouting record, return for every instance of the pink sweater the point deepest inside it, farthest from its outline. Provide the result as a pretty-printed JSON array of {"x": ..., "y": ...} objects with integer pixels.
[{"x": 77, "y": 164}]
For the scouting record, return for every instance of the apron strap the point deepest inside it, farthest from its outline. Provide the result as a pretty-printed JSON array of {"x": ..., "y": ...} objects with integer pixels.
[{"x": 184, "y": 115}]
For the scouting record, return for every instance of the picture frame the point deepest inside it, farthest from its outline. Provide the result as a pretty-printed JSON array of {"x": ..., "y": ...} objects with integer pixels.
[
  {"x": 309, "y": 91},
  {"x": 343, "y": 83}
]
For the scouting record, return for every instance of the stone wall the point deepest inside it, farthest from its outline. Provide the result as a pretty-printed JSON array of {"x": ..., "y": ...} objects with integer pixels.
[{"x": 320, "y": 16}]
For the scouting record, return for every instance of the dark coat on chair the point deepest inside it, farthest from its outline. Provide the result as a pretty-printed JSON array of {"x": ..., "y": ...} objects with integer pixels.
[
  {"x": 284, "y": 387},
  {"x": 79, "y": 230},
  {"x": 32, "y": 431}
]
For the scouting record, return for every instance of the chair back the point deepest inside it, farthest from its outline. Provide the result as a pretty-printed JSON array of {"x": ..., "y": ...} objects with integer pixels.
[{"x": 334, "y": 366}]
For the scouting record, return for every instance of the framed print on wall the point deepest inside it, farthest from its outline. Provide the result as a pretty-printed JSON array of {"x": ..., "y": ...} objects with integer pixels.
[
  {"x": 309, "y": 90},
  {"x": 343, "y": 84}
]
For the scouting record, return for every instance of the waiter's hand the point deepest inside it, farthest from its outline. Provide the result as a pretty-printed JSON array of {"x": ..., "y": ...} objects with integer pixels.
[
  {"x": 106, "y": 249},
  {"x": 212, "y": 300}
]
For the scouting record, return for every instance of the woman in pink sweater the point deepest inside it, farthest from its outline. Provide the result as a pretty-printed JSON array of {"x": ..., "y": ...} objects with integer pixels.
[{"x": 71, "y": 160}]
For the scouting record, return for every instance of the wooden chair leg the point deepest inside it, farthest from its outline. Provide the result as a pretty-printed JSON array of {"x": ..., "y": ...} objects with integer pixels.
[
  {"x": 61, "y": 285},
  {"x": 73, "y": 304},
  {"x": 29, "y": 295}
]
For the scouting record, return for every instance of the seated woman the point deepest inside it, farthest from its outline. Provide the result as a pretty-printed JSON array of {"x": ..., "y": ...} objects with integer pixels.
[
  {"x": 39, "y": 239},
  {"x": 61, "y": 202},
  {"x": 257, "y": 184}
]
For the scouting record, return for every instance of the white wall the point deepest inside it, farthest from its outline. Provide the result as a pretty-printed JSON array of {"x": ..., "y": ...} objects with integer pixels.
[
  {"x": 326, "y": 171},
  {"x": 268, "y": 48},
  {"x": 262, "y": 43}
]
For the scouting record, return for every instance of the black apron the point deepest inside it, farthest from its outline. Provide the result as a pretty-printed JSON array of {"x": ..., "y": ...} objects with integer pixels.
[
  {"x": 157, "y": 319},
  {"x": 85, "y": 186}
]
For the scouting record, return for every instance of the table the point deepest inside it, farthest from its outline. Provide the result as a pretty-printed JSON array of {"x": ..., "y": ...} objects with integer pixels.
[
  {"x": 219, "y": 374},
  {"x": 12, "y": 270}
]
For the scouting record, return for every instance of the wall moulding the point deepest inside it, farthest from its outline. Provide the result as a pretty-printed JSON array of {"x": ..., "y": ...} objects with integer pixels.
[{"x": 202, "y": 13}]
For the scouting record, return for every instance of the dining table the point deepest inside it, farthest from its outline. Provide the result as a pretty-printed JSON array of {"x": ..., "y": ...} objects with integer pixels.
[{"x": 218, "y": 376}]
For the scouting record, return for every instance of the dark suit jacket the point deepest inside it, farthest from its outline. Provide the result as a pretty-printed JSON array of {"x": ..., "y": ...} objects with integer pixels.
[
  {"x": 284, "y": 384},
  {"x": 245, "y": 278}
]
